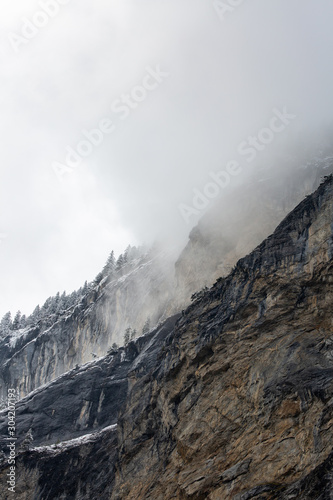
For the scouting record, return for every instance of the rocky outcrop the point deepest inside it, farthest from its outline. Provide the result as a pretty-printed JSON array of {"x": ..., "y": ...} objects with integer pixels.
[
  {"x": 78, "y": 469},
  {"x": 42, "y": 354},
  {"x": 242, "y": 218},
  {"x": 86, "y": 399},
  {"x": 151, "y": 287},
  {"x": 241, "y": 405},
  {"x": 74, "y": 425},
  {"x": 233, "y": 401}
]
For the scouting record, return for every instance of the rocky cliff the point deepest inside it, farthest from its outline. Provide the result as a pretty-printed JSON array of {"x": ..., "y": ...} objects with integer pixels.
[
  {"x": 154, "y": 287},
  {"x": 240, "y": 405},
  {"x": 232, "y": 400},
  {"x": 41, "y": 353},
  {"x": 243, "y": 217}
]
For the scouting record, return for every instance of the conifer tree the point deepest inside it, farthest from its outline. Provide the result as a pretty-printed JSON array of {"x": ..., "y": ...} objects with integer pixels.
[
  {"x": 146, "y": 326},
  {"x": 26, "y": 443},
  {"x": 17, "y": 321},
  {"x": 23, "y": 321},
  {"x": 127, "y": 336},
  {"x": 120, "y": 263},
  {"x": 98, "y": 279},
  {"x": 36, "y": 315},
  {"x": 133, "y": 334},
  {"x": 110, "y": 265},
  {"x": 6, "y": 325},
  {"x": 85, "y": 288}
]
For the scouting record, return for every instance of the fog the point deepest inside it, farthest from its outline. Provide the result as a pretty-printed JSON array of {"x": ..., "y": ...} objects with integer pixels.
[{"x": 176, "y": 89}]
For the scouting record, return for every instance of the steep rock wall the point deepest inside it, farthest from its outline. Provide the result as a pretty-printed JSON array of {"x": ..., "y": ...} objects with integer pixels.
[
  {"x": 241, "y": 219},
  {"x": 241, "y": 404},
  {"x": 99, "y": 320},
  {"x": 236, "y": 401}
]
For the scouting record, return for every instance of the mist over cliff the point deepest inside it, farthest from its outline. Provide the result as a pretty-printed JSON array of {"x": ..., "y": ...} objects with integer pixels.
[
  {"x": 216, "y": 75},
  {"x": 166, "y": 246},
  {"x": 218, "y": 401}
]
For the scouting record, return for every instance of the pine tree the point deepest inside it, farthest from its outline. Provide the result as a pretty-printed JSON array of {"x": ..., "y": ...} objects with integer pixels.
[
  {"x": 98, "y": 279},
  {"x": 110, "y": 265},
  {"x": 133, "y": 334},
  {"x": 17, "y": 321},
  {"x": 146, "y": 327},
  {"x": 113, "y": 348},
  {"x": 45, "y": 309},
  {"x": 127, "y": 336},
  {"x": 36, "y": 315},
  {"x": 52, "y": 306},
  {"x": 57, "y": 301},
  {"x": 62, "y": 305},
  {"x": 85, "y": 288},
  {"x": 26, "y": 443},
  {"x": 6, "y": 325},
  {"x": 72, "y": 299},
  {"x": 23, "y": 321},
  {"x": 120, "y": 263},
  {"x": 126, "y": 256}
]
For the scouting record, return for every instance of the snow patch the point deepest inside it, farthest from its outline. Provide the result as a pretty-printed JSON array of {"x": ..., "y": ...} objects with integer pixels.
[
  {"x": 18, "y": 334},
  {"x": 73, "y": 443}
]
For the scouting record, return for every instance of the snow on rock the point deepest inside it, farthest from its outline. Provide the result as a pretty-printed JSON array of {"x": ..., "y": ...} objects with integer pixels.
[{"x": 72, "y": 443}]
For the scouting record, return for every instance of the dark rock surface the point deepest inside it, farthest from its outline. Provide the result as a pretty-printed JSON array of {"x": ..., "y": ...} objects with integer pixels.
[
  {"x": 232, "y": 400},
  {"x": 86, "y": 399},
  {"x": 154, "y": 287},
  {"x": 243, "y": 389},
  {"x": 79, "y": 470}
]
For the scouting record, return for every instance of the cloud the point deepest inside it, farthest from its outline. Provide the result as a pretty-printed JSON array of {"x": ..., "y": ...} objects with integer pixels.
[{"x": 225, "y": 79}]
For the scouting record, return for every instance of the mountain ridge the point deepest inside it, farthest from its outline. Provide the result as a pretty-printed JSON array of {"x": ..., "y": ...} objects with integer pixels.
[{"x": 217, "y": 414}]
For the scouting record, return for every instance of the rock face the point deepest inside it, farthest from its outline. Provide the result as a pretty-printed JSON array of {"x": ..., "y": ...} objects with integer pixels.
[
  {"x": 241, "y": 404},
  {"x": 43, "y": 354},
  {"x": 153, "y": 287},
  {"x": 241, "y": 219},
  {"x": 86, "y": 399},
  {"x": 233, "y": 401},
  {"x": 80, "y": 408}
]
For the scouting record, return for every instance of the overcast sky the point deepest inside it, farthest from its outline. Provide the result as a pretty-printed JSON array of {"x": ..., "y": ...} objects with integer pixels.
[{"x": 202, "y": 81}]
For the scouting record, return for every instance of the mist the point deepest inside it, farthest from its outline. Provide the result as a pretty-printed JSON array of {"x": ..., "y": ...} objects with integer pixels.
[{"x": 116, "y": 113}]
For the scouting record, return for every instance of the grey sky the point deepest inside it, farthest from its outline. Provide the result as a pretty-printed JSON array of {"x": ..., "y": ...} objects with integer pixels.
[{"x": 225, "y": 78}]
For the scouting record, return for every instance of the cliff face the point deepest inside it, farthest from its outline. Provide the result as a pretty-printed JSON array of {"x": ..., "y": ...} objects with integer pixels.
[
  {"x": 42, "y": 354},
  {"x": 80, "y": 408},
  {"x": 242, "y": 218},
  {"x": 88, "y": 398},
  {"x": 233, "y": 401},
  {"x": 241, "y": 404},
  {"x": 153, "y": 287}
]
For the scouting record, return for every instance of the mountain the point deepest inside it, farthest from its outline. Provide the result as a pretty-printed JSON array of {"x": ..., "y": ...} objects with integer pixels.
[
  {"x": 230, "y": 399},
  {"x": 245, "y": 215},
  {"x": 156, "y": 285},
  {"x": 40, "y": 353}
]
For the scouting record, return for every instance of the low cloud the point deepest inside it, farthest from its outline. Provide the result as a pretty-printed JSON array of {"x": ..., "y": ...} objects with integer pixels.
[{"x": 224, "y": 78}]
